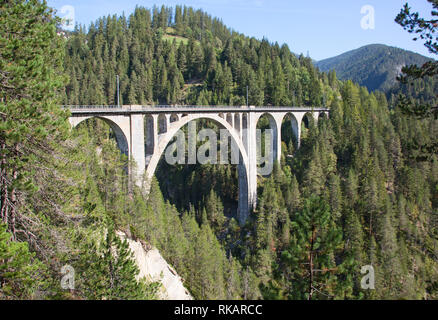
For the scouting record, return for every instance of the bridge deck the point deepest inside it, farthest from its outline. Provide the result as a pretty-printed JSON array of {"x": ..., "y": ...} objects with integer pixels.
[{"x": 136, "y": 109}]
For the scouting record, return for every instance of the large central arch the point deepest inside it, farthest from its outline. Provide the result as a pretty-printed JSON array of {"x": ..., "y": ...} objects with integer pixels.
[{"x": 243, "y": 167}]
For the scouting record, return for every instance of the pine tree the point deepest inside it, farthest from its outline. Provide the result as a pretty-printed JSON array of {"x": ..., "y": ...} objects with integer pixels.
[
  {"x": 33, "y": 125},
  {"x": 426, "y": 31},
  {"x": 21, "y": 274},
  {"x": 315, "y": 239},
  {"x": 215, "y": 212},
  {"x": 107, "y": 271}
]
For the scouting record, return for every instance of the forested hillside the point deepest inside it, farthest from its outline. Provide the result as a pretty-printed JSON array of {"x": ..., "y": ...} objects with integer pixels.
[
  {"x": 374, "y": 66},
  {"x": 351, "y": 195},
  {"x": 422, "y": 91},
  {"x": 184, "y": 56}
]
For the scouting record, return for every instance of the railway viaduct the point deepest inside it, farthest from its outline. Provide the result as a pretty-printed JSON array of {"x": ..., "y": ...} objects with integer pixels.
[{"x": 144, "y": 132}]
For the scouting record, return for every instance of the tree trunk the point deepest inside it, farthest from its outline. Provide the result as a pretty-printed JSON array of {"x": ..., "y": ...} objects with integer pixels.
[
  {"x": 13, "y": 205},
  {"x": 4, "y": 187},
  {"x": 311, "y": 265}
]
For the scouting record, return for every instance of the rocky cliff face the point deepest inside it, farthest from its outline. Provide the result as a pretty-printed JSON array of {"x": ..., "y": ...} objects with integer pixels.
[{"x": 154, "y": 268}]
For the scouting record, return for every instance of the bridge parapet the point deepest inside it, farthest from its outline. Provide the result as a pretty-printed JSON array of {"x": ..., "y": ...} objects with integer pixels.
[{"x": 74, "y": 109}]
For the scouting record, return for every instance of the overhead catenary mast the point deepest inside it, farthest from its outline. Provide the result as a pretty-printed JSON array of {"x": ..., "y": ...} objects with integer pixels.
[{"x": 118, "y": 94}]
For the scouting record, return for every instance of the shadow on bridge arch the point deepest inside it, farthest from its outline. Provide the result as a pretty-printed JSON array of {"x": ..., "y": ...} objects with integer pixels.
[
  {"x": 119, "y": 135},
  {"x": 162, "y": 124},
  {"x": 322, "y": 116},
  {"x": 167, "y": 137},
  {"x": 308, "y": 120},
  {"x": 174, "y": 117}
]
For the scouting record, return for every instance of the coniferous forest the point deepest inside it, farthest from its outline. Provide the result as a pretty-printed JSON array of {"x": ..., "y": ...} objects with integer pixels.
[{"x": 360, "y": 190}]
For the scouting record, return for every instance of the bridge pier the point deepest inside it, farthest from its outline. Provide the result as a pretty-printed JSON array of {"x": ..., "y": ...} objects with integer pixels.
[
  {"x": 137, "y": 147},
  {"x": 250, "y": 138}
]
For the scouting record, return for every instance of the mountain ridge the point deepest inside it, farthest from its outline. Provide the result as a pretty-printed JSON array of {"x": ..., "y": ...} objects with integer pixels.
[{"x": 374, "y": 66}]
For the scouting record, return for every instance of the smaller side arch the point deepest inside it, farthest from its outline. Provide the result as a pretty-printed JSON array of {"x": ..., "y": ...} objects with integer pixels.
[
  {"x": 174, "y": 118},
  {"x": 296, "y": 126},
  {"x": 118, "y": 124},
  {"x": 162, "y": 124},
  {"x": 276, "y": 138},
  {"x": 309, "y": 119},
  {"x": 237, "y": 122},
  {"x": 244, "y": 121},
  {"x": 323, "y": 115},
  {"x": 149, "y": 135},
  {"x": 230, "y": 118}
]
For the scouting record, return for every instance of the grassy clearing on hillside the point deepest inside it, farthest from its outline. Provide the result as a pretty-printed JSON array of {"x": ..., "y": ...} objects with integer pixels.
[
  {"x": 179, "y": 39},
  {"x": 171, "y": 35}
]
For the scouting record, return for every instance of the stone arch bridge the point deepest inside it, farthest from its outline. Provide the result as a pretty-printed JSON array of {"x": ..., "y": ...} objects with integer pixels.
[{"x": 143, "y": 133}]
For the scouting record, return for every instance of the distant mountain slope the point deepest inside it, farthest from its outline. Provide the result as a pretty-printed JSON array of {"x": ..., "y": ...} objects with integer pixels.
[{"x": 375, "y": 66}]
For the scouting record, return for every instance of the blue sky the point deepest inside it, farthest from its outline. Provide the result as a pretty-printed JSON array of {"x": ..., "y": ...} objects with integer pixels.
[{"x": 324, "y": 28}]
